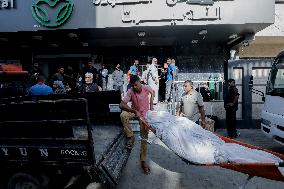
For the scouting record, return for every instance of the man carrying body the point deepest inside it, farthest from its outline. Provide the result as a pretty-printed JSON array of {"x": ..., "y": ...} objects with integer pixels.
[
  {"x": 138, "y": 94},
  {"x": 191, "y": 104}
]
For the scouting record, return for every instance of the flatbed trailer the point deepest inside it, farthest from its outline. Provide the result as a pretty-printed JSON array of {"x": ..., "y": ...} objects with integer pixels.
[{"x": 53, "y": 144}]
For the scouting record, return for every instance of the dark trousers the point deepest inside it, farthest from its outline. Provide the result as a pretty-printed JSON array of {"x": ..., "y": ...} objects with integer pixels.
[{"x": 231, "y": 123}]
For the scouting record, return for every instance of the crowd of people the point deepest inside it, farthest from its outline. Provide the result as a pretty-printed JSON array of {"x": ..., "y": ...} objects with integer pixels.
[
  {"x": 89, "y": 79},
  {"x": 160, "y": 80},
  {"x": 65, "y": 80}
]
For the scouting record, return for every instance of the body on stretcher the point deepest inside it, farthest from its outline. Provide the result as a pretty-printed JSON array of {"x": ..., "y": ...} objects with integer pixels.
[{"x": 269, "y": 170}]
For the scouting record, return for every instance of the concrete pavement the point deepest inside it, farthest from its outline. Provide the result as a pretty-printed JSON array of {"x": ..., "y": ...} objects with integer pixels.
[{"x": 169, "y": 172}]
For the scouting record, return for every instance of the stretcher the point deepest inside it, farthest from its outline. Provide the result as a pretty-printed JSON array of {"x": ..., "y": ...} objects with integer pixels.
[{"x": 264, "y": 170}]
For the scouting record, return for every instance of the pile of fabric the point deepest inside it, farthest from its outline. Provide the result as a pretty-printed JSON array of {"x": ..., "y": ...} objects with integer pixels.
[{"x": 197, "y": 145}]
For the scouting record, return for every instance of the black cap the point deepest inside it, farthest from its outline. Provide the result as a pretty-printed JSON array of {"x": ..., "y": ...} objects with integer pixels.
[{"x": 133, "y": 79}]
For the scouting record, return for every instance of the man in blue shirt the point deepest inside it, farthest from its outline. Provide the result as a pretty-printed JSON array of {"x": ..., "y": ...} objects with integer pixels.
[
  {"x": 132, "y": 71},
  {"x": 40, "y": 88},
  {"x": 170, "y": 78},
  {"x": 134, "y": 68}
]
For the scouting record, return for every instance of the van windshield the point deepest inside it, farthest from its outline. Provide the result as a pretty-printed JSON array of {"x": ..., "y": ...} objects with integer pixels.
[{"x": 276, "y": 79}]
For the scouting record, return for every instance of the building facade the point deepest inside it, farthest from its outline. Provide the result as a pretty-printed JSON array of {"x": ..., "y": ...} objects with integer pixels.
[{"x": 199, "y": 34}]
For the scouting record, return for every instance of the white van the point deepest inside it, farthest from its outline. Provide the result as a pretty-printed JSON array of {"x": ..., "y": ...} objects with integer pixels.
[{"x": 272, "y": 117}]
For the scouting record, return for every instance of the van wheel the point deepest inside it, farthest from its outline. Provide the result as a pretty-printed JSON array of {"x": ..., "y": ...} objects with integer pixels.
[{"x": 24, "y": 181}]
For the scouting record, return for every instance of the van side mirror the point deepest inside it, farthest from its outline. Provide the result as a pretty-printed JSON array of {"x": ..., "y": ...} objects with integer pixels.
[
  {"x": 250, "y": 82},
  {"x": 263, "y": 99}
]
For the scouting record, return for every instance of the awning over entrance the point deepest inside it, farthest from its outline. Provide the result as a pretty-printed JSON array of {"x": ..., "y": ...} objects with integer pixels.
[{"x": 128, "y": 23}]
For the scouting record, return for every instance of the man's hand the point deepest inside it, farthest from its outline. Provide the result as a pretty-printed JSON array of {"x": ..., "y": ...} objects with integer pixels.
[{"x": 137, "y": 114}]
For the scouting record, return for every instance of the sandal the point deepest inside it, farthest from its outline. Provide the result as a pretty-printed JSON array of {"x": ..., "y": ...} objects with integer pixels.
[
  {"x": 130, "y": 143},
  {"x": 145, "y": 167}
]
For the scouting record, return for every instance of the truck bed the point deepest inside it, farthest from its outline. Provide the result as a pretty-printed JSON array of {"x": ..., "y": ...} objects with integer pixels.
[{"x": 103, "y": 137}]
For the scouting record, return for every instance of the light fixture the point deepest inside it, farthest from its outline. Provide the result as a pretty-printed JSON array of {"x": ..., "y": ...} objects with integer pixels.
[
  {"x": 84, "y": 44},
  {"x": 143, "y": 43},
  {"x": 233, "y": 40},
  {"x": 141, "y": 34},
  {"x": 194, "y": 41},
  {"x": 202, "y": 32},
  {"x": 233, "y": 36},
  {"x": 72, "y": 35}
]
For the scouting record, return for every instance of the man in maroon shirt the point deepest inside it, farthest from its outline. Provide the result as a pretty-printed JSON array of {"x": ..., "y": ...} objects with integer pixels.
[{"x": 139, "y": 96}]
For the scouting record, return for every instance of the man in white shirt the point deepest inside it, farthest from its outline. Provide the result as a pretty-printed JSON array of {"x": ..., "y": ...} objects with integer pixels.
[{"x": 153, "y": 78}]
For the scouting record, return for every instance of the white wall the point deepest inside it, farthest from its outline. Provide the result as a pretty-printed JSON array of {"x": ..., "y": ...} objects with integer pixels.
[{"x": 277, "y": 29}]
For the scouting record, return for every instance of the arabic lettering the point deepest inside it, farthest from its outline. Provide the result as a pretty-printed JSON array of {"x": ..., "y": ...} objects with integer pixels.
[
  {"x": 171, "y": 2},
  {"x": 190, "y": 10},
  {"x": 119, "y": 2},
  {"x": 126, "y": 15},
  {"x": 208, "y": 13}
]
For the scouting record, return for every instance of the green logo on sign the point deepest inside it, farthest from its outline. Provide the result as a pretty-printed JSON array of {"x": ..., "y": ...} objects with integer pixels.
[{"x": 52, "y": 13}]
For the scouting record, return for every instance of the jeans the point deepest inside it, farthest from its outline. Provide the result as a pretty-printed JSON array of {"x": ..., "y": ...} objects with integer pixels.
[{"x": 169, "y": 89}]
